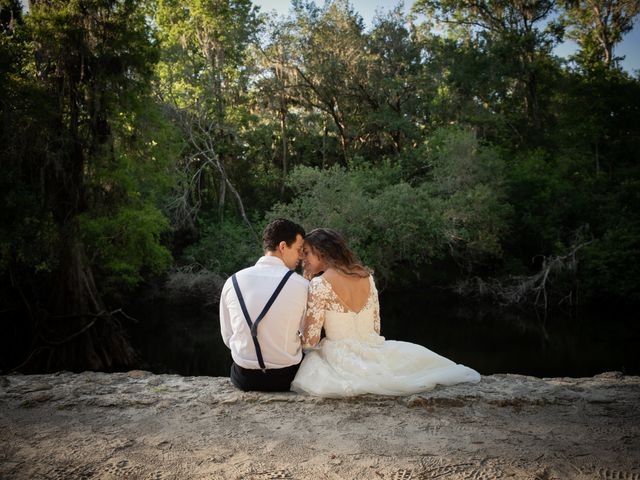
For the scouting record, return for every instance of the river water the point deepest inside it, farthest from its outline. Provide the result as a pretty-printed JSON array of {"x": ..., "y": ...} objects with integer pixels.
[{"x": 185, "y": 339}]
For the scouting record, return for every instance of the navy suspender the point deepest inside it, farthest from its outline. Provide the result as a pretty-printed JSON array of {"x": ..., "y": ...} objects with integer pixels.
[{"x": 253, "y": 326}]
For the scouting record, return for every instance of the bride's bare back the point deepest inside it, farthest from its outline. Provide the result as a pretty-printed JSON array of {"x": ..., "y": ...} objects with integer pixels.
[{"x": 351, "y": 290}]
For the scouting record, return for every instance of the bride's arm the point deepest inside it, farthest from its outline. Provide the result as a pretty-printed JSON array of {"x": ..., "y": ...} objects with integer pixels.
[
  {"x": 316, "y": 307},
  {"x": 376, "y": 309}
]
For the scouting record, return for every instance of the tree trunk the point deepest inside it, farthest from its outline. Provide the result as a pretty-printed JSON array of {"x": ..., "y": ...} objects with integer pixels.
[
  {"x": 341, "y": 131},
  {"x": 78, "y": 333},
  {"x": 533, "y": 109},
  {"x": 74, "y": 330},
  {"x": 283, "y": 134},
  {"x": 324, "y": 146},
  {"x": 222, "y": 197}
]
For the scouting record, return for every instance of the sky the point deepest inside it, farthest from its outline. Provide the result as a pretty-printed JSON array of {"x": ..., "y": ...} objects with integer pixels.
[{"x": 629, "y": 48}]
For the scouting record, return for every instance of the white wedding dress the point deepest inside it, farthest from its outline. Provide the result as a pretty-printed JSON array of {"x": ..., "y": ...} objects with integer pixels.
[{"x": 355, "y": 359}]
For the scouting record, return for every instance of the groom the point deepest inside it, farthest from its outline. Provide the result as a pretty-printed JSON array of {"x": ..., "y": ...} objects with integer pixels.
[{"x": 269, "y": 294}]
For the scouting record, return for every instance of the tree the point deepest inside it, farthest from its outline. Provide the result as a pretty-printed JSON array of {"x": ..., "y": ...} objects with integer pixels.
[
  {"x": 274, "y": 86},
  {"x": 202, "y": 79},
  {"x": 598, "y": 26},
  {"x": 510, "y": 31},
  {"x": 326, "y": 64},
  {"x": 85, "y": 63},
  {"x": 395, "y": 87},
  {"x": 458, "y": 210}
]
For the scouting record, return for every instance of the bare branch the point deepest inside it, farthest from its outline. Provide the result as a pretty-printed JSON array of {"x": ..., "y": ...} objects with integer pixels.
[
  {"x": 200, "y": 130},
  {"x": 522, "y": 289}
]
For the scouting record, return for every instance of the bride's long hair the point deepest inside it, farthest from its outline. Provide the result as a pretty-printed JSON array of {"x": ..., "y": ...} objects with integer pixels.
[{"x": 334, "y": 251}]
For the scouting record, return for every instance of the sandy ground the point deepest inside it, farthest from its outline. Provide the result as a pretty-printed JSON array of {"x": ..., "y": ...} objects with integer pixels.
[{"x": 140, "y": 425}]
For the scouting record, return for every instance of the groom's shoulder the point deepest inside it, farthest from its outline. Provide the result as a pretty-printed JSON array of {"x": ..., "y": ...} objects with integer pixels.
[
  {"x": 257, "y": 272},
  {"x": 299, "y": 280},
  {"x": 297, "y": 288},
  {"x": 239, "y": 274}
]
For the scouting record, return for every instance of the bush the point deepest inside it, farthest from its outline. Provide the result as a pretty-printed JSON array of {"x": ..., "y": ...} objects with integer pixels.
[
  {"x": 383, "y": 221},
  {"x": 125, "y": 246},
  {"x": 468, "y": 180},
  {"x": 611, "y": 266},
  {"x": 457, "y": 209},
  {"x": 225, "y": 247}
]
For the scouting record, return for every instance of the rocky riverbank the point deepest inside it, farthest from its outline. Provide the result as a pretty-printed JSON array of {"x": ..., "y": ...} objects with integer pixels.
[{"x": 141, "y": 425}]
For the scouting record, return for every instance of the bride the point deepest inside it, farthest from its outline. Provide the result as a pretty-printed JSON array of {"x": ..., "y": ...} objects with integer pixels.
[{"x": 354, "y": 358}]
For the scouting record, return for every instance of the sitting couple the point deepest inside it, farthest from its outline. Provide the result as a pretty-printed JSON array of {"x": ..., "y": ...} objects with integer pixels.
[{"x": 268, "y": 314}]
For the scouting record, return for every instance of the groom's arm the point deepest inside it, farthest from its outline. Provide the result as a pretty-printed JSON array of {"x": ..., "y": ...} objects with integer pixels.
[{"x": 225, "y": 317}]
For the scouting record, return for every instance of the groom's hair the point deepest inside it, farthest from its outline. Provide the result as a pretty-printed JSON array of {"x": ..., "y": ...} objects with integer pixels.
[{"x": 280, "y": 230}]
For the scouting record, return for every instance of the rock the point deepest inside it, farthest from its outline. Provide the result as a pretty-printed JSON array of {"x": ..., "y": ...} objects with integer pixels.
[
  {"x": 610, "y": 375},
  {"x": 36, "y": 387},
  {"x": 141, "y": 425}
]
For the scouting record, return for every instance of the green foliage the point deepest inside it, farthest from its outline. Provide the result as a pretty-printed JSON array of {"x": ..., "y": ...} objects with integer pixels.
[
  {"x": 541, "y": 195},
  {"x": 91, "y": 143},
  {"x": 611, "y": 266},
  {"x": 145, "y": 150},
  {"x": 100, "y": 48},
  {"x": 597, "y": 27},
  {"x": 125, "y": 246},
  {"x": 502, "y": 56},
  {"x": 607, "y": 135},
  {"x": 204, "y": 47},
  {"x": 459, "y": 209},
  {"x": 27, "y": 232},
  {"x": 27, "y": 237},
  {"x": 458, "y": 161},
  {"x": 224, "y": 247},
  {"x": 475, "y": 146},
  {"x": 125, "y": 227},
  {"x": 384, "y": 220},
  {"x": 468, "y": 179},
  {"x": 202, "y": 78}
]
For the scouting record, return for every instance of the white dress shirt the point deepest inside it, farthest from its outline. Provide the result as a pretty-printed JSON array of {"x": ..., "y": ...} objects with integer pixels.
[{"x": 278, "y": 332}]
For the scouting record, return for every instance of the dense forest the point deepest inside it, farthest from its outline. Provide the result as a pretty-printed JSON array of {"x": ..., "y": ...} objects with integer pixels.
[{"x": 449, "y": 145}]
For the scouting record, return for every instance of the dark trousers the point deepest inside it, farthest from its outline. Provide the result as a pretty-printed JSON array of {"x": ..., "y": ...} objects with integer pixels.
[{"x": 271, "y": 380}]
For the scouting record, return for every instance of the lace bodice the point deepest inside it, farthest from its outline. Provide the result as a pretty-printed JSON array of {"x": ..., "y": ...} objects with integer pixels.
[{"x": 326, "y": 309}]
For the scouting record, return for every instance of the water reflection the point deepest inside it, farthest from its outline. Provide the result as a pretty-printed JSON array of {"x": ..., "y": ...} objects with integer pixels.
[
  {"x": 185, "y": 338},
  {"x": 497, "y": 340}
]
